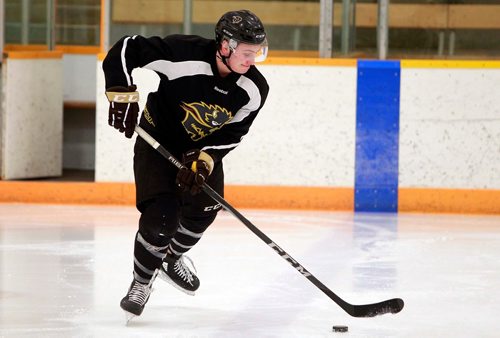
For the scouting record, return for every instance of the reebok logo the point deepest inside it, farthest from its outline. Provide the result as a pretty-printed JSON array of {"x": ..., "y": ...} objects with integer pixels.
[{"x": 217, "y": 89}]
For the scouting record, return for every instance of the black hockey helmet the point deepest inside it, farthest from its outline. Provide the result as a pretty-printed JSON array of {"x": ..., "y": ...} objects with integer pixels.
[{"x": 241, "y": 26}]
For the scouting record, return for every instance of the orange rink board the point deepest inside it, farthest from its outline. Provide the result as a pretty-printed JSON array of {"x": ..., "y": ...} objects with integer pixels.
[{"x": 258, "y": 197}]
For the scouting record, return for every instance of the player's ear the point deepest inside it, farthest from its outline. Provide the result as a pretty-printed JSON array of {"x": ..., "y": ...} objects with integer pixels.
[{"x": 224, "y": 48}]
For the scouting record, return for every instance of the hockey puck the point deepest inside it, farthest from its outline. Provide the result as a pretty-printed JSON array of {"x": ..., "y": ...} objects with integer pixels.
[{"x": 340, "y": 328}]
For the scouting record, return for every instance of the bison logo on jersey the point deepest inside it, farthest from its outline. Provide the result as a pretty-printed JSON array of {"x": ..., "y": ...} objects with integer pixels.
[{"x": 203, "y": 119}]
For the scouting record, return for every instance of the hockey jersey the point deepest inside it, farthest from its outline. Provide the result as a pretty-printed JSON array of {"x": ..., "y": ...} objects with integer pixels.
[{"x": 194, "y": 107}]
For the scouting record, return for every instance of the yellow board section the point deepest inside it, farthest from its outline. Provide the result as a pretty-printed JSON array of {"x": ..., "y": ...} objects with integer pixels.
[
  {"x": 70, "y": 49},
  {"x": 25, "y": 48},
  {"x": 66, "y": 49},
  {"x": 449, "y": 64},
  {"x": 34, "y": 55},
  {"x": 295, "y": 61},
  {"x": 284, "y": 61}
]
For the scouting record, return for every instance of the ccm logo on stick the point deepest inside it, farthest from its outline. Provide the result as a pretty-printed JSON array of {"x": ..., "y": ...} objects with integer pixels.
[{"x": 289, "y": 259}]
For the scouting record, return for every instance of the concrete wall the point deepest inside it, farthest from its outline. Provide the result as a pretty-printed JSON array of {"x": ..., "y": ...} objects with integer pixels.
[
  {"x": 79, "y": 94},
  {"x": 450, "y": 128},
  {"x": 305, "y": 134},
  {"x": 114, "y": 152},
  {"x": 31, "y": 115},
  {"x": 79, "y": 77}
]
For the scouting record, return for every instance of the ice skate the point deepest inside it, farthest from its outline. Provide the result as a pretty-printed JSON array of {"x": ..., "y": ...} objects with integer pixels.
[
  {"x": 137, "y": 297},
  {"x": 175, "y": 271}
]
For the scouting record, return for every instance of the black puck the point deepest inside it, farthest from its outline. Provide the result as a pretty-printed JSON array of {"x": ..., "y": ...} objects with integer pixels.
[{"x": 340, "y": 328}]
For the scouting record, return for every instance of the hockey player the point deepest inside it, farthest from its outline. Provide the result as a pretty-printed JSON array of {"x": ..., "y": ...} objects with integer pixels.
[{"x": 209, "y": 94}]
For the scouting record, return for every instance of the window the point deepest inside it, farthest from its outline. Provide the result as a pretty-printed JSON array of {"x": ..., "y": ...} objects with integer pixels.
[{"x": 77, "y": 22}]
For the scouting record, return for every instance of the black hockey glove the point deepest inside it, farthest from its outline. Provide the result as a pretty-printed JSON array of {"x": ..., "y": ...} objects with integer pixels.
[
  {"x": 123, "y": 108},
  {"x": 197, "y": 166}
]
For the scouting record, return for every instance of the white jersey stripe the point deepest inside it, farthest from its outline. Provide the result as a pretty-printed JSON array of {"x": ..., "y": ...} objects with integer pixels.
[
  {"x": 124, "y": 61},
  {"x": 175, "y": 70},
  {"x": 126, "y": 114},
  {"x": 224, "y": 146},
  {"x": 252, "y": 105}
]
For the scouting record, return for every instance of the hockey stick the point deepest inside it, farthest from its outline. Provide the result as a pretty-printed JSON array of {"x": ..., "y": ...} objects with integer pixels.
[{"x": 367, "y": 310}]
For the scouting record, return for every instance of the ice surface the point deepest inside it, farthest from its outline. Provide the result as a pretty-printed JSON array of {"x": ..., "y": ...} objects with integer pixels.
[{"x": 64, "y": 269}]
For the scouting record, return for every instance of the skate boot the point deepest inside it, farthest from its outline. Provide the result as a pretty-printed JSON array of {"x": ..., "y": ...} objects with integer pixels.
[
  {"x": 175, "y": 271},
  {"x": 137, "y": 297}
]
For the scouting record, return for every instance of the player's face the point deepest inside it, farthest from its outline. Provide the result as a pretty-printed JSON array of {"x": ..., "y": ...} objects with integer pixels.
[{"x": 244, "y": 56}]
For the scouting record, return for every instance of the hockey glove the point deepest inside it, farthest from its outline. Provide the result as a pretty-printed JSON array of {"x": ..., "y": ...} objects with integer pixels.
[
  {"x": 123, "y": 108},
  {"x": 197, "y": 166}
]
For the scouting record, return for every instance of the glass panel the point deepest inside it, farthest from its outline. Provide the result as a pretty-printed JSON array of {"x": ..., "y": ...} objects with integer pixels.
[
  {"x": 164, "y": 18},
  {"x": 25, "y": 22},
  {"x": 78, "y": 22},
  {"x": 38, "y": 22},
  {"x": 432, "y": 29},
  {"x": 417, "y": 28},
  {"x": 146, "y": 18},
  {"x": 13, "y": 14}
]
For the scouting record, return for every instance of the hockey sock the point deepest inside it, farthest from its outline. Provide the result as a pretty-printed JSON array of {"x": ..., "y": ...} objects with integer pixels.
[
  {"x": 147, "y": 258},
  {"x": 183, "y": 240}
]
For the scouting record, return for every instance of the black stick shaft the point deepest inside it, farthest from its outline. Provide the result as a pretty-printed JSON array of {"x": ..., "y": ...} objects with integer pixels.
[{"x": 368, "y": 310}]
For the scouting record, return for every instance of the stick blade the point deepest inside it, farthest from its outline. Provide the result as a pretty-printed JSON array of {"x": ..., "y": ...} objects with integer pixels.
[{"x": 393, "y": 306}]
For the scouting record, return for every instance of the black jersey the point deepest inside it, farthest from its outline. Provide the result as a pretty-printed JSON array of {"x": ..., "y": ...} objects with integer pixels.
[{"x": 194, "y": 107}]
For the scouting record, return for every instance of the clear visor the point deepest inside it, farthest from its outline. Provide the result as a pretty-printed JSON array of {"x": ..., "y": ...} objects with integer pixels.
[
  {"x": 248, "y": 51},
  {"x": 262, "y": 53}
]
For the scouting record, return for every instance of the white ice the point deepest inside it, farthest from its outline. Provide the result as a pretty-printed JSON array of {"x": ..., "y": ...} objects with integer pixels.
[{"x": 64, "y": 269}]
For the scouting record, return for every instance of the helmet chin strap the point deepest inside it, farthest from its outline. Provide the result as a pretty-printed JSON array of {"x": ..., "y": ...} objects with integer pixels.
[{"x": 224, "y": 59}]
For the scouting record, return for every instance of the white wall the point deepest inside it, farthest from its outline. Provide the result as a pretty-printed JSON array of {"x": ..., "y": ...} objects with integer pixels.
[
  {"x": 79, "y": 139},
  {"x": 79, "y": 77},
  {"x": 450, "y": 128},
  {"x": 31, "y": 118},
  {"x": 305, "y": 134},
  {"x": 114, "y": 152},
  {"x": 79, "y": 121}
]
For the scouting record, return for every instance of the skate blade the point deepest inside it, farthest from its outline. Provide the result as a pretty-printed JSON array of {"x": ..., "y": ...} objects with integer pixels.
[
  {"x": 171, "y": 282},
  {"x": 128, "y": 317}
]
